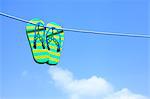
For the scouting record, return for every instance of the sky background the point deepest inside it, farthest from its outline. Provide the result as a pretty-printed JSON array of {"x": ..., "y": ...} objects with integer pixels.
[{"x": 122, "y": 61}]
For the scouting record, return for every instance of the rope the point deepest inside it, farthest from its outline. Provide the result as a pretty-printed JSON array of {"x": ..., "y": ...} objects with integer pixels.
[{"x": 81, "y": 31}]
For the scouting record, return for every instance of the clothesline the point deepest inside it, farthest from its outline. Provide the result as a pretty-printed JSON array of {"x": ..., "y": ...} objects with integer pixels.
[{"x": 79, "y": 30}]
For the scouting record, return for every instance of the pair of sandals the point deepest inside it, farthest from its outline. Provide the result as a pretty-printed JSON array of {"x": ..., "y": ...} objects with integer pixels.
[{"x": 45, "y": 42}]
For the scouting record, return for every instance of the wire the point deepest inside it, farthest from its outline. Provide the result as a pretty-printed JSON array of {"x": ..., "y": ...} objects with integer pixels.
[
  {"x": 16, "y": 18},
  {"x": 108, "y": 33},
  {"x": 81, "y": 31}
]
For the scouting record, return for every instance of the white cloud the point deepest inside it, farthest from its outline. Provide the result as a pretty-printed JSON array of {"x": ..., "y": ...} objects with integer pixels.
[
  {"x": 125, "y": 94},
  {"x": 92, "y": 88}
]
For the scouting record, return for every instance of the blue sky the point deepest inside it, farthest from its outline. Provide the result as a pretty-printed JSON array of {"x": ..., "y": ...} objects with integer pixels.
[{"x": 122, "y": 61}]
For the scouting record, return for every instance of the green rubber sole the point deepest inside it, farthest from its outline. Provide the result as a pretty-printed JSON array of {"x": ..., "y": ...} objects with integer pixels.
[{"x": 49, "y": 53}]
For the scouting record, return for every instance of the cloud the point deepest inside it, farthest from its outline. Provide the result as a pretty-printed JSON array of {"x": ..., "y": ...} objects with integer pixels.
[
  {"x": 91, "y": 88},
  {"x": 125, "y": 94}
]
